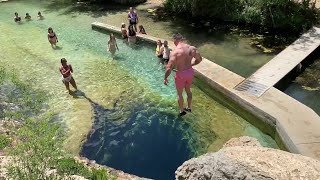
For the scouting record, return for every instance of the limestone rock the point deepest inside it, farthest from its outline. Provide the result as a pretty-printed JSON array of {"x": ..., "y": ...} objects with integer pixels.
[
  {"x": 250, "y": 163},
  {"x": 242, "y": 141}
]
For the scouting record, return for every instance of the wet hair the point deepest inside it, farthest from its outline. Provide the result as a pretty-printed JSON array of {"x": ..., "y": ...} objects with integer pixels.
[
  {"x": 123, "y": 25},
  {"x": 50, "y": 29},
  {"x": 16, "y": 13},
  {"x": 27, "y": 14},
  {"x": 39, "y": 13},
  {"x": 63, "y": 60}
]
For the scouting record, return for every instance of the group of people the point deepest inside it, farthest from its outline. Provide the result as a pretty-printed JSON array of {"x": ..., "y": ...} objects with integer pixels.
[
  {"x": 128, "y": 34},
  {"x": 132, "y": 31},
  {"x": 163, "y": 51},
  {"x": 181, "y": 58},
  {"x": 17, "y": 18}
]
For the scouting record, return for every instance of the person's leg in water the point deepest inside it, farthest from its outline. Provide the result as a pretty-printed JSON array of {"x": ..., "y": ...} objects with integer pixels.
[
  {"x": 112, "y": 51},
  {"x": 51, "y": 43},
  {"x": 67, "y": 85},
  {"x": 73, "y": 83}
]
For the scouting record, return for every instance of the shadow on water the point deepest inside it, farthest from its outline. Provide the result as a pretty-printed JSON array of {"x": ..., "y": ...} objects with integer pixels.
[
  {"x": 93, "y": 10},
  {"x": 145, "y": 141}
]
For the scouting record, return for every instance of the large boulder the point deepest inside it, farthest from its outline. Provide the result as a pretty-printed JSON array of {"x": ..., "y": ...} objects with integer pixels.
[{"x": 249, "y": 162}]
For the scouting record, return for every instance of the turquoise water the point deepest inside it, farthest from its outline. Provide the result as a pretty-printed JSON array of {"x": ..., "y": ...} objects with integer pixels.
[{"x": 123, "y": 109}]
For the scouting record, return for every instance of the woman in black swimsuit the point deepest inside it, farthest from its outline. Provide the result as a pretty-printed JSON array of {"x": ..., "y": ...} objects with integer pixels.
[{"x": 52, "y": 37}]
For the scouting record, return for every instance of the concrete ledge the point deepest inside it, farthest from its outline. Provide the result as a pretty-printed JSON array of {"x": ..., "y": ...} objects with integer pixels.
[{"x": 288, "y": 121}]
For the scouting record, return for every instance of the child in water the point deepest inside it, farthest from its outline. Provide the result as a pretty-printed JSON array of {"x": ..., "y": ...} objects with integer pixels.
[
  {"x": 165, "y": 51},
  {"x": 112, "y": 45},
  {"x": 28, "y": 17},
  {"x": 40, "y": 16},
  {"x": 124, "y": 31},
  {"x": 158, "y": 52},
  {"x": 17, "y": 18}
]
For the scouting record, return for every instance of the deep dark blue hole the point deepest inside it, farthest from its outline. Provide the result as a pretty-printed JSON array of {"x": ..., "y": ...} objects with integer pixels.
[{"x": 151, "y": 143}]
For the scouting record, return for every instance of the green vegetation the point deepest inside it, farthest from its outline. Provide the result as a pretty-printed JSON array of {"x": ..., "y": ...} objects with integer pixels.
[
  {"x": 4, "y": 141},
  {"x": 276, "y": 16},
  {"x": 38, "y": 141},
  {"x": 67, "y": 166}
]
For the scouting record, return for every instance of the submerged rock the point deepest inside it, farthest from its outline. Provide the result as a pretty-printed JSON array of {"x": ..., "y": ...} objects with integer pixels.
[{"x": 243, "y": 158}]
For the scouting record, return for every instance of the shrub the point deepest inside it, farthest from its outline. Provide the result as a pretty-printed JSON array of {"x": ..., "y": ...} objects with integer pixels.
[
  {"x": 4, "y": 141},
  {"x": 272, "y": 15},
  {"x": 37, "y": 151}
]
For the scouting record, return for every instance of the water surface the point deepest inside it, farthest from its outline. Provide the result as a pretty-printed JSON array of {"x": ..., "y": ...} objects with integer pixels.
[
  {"x": 306, "y": 87},
  {"x": 123, "y": 108}
]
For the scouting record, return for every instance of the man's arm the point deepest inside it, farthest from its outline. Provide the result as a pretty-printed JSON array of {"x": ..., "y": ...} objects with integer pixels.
[
  {"x": 195, "y": 53},
  {"x": 169, "y": 67}
]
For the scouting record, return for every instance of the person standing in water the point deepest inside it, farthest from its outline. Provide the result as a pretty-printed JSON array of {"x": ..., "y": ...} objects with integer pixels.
[
  {"x": 133, "y": 18},
  {"x": 112, "y": 45},
  {"x": 165, "y": 51},
  {"x": 17, "y": 18},
  {"x": 52, "y": 37},
  {"x": 28, "y": 17},
  {"x": 181, "y": 58},
  {"x": 124, "y": 31},
  {"x": 66, "y": 70},
  {"x": 40, "y": 16}
]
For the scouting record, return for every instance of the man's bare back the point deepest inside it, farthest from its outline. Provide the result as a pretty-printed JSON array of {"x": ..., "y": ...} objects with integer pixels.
[{"x": 182, "y": 57}]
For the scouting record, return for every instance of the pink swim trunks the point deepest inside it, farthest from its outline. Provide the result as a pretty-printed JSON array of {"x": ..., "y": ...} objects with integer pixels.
[{"x": 183, "y": 78}]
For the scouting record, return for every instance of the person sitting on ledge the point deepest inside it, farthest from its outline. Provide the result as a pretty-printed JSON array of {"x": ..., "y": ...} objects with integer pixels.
[
  {"x": 124, "y": 31},
  {"x": 142, "y": 30}
]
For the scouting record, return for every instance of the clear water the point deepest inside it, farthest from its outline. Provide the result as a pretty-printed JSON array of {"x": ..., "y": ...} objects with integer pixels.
[
  {"x": 127, "y": 114},
  {"x": 228, "y": 50},
  {"x": 306, "y": 87}
]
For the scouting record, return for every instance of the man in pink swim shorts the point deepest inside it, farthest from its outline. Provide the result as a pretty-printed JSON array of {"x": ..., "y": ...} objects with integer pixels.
[{"x": 182, "y": 57}]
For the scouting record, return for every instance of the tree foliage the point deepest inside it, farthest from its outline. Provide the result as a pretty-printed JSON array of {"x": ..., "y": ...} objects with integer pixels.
[{"x": 273, "y": 15}]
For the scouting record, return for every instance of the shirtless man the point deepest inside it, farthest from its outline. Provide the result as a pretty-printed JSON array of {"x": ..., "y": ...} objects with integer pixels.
[{"x": 181, "y": 58}]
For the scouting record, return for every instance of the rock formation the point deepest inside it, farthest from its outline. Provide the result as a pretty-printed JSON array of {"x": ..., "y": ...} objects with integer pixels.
[{"x": 244, "y": 158}]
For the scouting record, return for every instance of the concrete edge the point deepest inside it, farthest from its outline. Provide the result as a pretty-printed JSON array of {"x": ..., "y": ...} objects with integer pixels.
[{"x": 274, "y": 123}]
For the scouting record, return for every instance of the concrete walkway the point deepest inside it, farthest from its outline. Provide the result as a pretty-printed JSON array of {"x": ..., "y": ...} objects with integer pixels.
[
  {"x": 294, "y": 124},
  {"x": 272, "y": 72}
]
